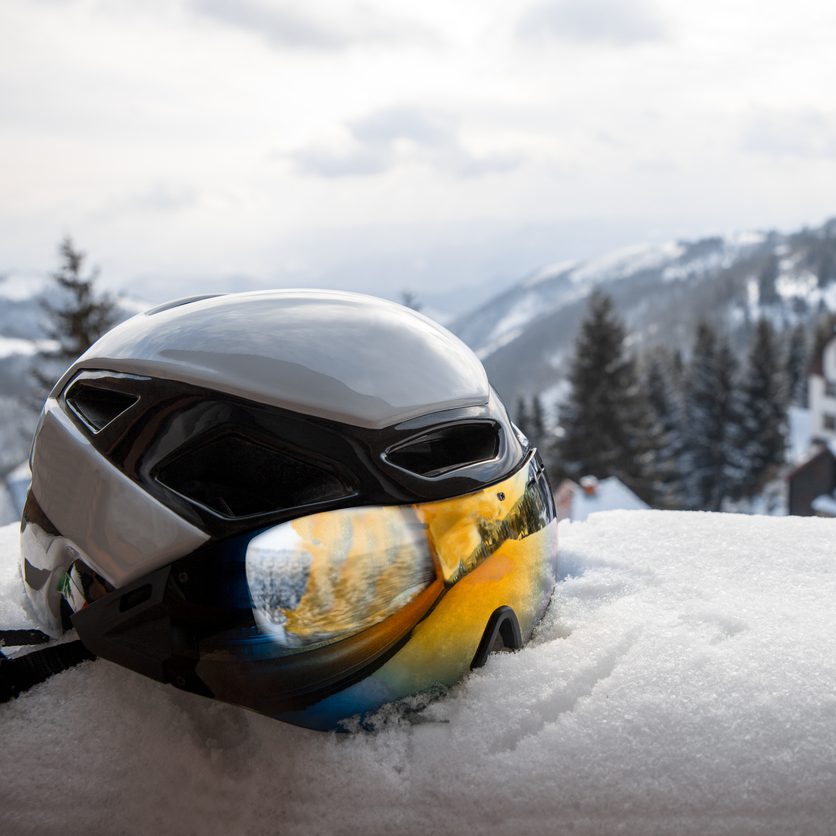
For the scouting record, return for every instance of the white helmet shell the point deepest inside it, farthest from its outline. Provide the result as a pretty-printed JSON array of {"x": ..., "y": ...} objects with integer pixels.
[{"x": 347, "y": 357}]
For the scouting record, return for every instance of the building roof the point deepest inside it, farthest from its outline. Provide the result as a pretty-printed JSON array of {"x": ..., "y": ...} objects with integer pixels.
[{"x": 825, "y": 505}]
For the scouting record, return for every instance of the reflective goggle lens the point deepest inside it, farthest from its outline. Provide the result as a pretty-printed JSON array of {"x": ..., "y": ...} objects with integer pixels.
[{"x": 325, "y": 577}]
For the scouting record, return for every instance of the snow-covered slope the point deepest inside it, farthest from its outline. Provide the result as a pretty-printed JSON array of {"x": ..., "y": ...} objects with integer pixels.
[
  {"x": 682, "y": 682},
  {"x": 662, "y": 291}
]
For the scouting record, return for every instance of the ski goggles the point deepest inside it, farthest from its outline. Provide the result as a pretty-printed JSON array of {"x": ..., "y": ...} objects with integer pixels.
[{"x": 334, "y": 614}]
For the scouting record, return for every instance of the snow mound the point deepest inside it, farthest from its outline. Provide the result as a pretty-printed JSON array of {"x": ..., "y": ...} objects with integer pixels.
[{"x": 684, "y": 680}]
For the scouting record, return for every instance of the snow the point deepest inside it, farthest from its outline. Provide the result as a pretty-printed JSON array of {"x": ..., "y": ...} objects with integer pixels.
[
  {"x": 17, "y": 484},
  {"x": 512, "y": 324},
  {"x": 746, "y": 238},
  {"x": 683, "y": 681},
  {"x": 18, "y": 286},
  {"x": 10, "y": 346},
  {"x": 548, "y": 271},
  {"x": 801, "y": 284},
  {"x": 627, "y": 261},
  {"x": 8, "y": 509}
]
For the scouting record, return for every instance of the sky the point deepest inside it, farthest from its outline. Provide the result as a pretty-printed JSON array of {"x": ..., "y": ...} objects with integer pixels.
[{"x": 445, "y": 148}]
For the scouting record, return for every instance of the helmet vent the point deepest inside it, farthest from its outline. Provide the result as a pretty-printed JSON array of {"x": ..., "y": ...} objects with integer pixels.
[
  {"x": 97, "y": 406},
  {"x": 447, "y": 448},
  {"x": 236, "y": 477}
]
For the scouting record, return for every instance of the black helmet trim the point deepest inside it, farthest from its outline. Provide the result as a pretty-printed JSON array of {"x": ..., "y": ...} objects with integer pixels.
[{"x": 226, "y": 464}]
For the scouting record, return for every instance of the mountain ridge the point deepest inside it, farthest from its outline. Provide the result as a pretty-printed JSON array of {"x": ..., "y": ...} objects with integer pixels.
[{"x": 524, "y": 335}]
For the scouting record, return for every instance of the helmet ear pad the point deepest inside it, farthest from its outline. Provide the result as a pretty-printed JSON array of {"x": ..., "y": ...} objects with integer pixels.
[{"x": 502, "y": 633}]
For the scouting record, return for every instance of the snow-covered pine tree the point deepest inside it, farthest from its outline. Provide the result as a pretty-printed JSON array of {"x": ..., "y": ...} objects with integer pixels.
[
  {"x": 796, "y": 366},
  {"x": 78, "y": 314},
  {"x": 711, "y": 418},
  {"x": 764, "y": 412},
  {"x": 606, "y": 419}
]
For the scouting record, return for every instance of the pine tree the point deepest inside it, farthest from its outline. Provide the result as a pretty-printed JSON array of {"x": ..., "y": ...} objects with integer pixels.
[
  {"x": 767, "y": 292},
  {"x": 826, "y": 268},
  {"x": 665, "y": 434},
  {"x": 522, "y": 419},
  {"x": 764, "y": 408},
  {"x": 606, "y": 419},
  {"x": 711, "y": 420},
  {"x": 78, "y": 314},
  {"x": 538, "y": 423},
  {"x": 410, "y": 300},
  {"x": 796, "y": 366}
]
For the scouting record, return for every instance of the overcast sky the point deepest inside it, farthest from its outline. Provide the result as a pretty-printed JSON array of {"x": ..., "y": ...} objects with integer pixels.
[{"x": 383, "y": 145}]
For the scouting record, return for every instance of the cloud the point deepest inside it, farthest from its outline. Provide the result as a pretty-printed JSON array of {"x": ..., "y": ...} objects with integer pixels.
[
  {"x": 286, "y": 25},
  {"x": 384, "y": 138},
  {"x": 359, "y": 161},
  {"x": 800, "y": 132},
  {"x": 156, "y": 198},
  {"x": 390, "y": 124},
  {"x": 613, "y": 22}
]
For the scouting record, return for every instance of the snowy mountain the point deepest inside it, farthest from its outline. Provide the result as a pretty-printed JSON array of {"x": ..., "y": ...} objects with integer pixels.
[
  {"x": 524, "y": 335},
  {"x": 681, "y": 682}
]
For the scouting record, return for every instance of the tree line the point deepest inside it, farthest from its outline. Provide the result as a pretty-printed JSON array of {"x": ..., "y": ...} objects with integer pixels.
[{"x": 704, "y": 433}]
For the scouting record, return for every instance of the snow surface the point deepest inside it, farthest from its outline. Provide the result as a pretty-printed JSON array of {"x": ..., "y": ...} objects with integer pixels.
[{"x": 683, "y": 681}]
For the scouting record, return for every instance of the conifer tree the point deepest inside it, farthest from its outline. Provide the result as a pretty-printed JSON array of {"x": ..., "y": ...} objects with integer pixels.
[
  {"x": 665, "y": 430},
  {"x": 522, "y": 419},
  {"x": 606, "y": 419},
  {"x": 796, "y": 366},
  {"x": 767, "y": 291},
  {"x": 764, "y": 412},
  {"x": 826, "y": 268},
  {"x": 410, "y": 300},
  {"x": 711, "y": 419},
  {"x": 538, "y": 423},
  {"x": 78, "y": 314}
]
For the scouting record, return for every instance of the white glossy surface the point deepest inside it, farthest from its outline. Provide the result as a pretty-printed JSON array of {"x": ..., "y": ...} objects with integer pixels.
[{"x": 344, "y": 356}]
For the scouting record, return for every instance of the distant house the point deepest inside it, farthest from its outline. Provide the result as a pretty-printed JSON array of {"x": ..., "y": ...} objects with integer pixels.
[
  {"x": 577, "y": 501},
  {"x": 811, "y": 483}
]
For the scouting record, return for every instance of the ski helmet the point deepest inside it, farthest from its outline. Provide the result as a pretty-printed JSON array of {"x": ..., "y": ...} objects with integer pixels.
[{"x": 308, "y": 503}]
